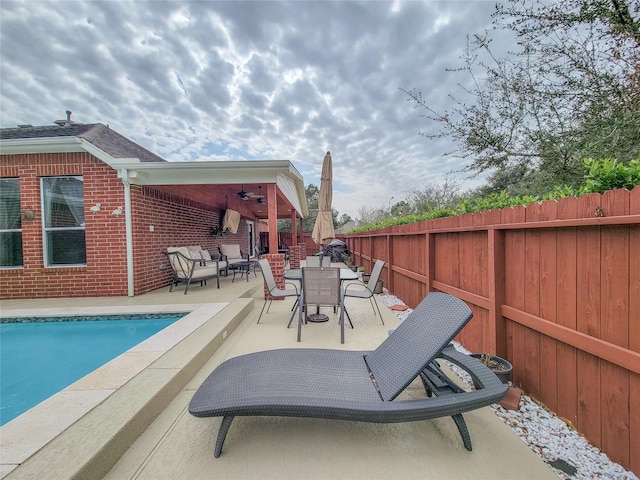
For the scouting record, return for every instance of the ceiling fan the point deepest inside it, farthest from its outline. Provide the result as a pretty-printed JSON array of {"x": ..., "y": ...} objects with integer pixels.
[
  {"x": 260, "y": 198},
  {"x": 245, "y": 195}
]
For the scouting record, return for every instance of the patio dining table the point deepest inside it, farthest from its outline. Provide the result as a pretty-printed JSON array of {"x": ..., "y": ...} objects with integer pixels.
[{"x": 296, "y": 274}]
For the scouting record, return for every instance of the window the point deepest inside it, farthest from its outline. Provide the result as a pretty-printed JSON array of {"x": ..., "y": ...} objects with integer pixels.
[
  {"x": 10, "y": 223},
  {"x": 63, "y": 221}
]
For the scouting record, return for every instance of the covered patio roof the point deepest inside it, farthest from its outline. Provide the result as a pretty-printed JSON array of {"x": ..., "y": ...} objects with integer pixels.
[{"x": 227, "y": 179}]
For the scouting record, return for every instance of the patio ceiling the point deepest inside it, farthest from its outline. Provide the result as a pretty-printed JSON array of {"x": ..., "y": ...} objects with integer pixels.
[{"x": 224, "y": 179}]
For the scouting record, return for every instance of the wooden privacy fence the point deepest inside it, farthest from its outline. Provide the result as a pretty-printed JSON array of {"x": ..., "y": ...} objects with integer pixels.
[{"x": 554, "y": 288}]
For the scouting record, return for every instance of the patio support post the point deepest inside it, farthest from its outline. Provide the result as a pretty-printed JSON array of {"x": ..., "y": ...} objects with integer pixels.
[
  {"x": 294, "y": 227},
  {"x": 273, "y": 217}
]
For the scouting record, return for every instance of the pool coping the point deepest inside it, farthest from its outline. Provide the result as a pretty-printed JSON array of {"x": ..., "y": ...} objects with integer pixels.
[{"x": 122, "y": 397}]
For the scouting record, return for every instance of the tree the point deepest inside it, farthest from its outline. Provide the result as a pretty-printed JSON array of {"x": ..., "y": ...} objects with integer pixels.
[
  {"x": 569, "y": 92},
  {"x": 311, "y": 193},
  {"x": 400, "y": 208},
  {"x": 370, "y": 215},
  {"x": 433, "y": 197},
  {"x": 343, "y": 220}
]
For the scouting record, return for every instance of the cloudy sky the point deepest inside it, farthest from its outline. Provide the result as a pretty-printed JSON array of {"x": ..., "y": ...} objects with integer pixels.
[{"x": 250, "y": 80}]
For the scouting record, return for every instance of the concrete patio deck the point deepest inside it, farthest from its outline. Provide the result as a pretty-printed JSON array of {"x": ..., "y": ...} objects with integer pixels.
[{"x": 142, "y": 429}]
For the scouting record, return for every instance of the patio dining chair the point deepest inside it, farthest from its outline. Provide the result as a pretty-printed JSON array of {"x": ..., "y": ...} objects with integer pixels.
[
  {"x": 313, "y": 261},
  {"x": 273, "y": 290},
  {"x": 321, "y": 286},
  {"x": 361, "y": 290}
]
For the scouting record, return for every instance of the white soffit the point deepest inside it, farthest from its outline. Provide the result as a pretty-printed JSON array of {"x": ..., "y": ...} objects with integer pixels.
[
  {"x": 280, "y": 172},
  {"x": 288, "y": 189}
]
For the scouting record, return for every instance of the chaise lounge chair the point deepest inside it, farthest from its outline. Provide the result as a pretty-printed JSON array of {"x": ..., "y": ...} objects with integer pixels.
[{"x": 356, "y": 385}]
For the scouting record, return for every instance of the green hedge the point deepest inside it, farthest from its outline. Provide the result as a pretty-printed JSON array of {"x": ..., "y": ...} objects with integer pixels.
[{"x": 602, "y": 175}]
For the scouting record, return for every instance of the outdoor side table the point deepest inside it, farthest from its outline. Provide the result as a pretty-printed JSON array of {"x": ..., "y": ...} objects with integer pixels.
[{"x": 244, "y": 268}]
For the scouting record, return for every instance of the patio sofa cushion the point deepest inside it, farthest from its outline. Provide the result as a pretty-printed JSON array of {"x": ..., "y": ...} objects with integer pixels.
[
  {"x": 195, "y": 251},
  {"x": 206, "y": 257},
  {"x": 356, "y": 385}
]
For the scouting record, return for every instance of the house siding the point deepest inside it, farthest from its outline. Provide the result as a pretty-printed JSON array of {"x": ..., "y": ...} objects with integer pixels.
[{"x": 179, "y": 217}]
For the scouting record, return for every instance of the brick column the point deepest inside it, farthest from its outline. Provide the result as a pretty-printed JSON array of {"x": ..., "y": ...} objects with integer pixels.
[
  {"x": 276, "y": 261},
  {"x": 294, "y": 257},
  {"x": 303, "y": 250}
]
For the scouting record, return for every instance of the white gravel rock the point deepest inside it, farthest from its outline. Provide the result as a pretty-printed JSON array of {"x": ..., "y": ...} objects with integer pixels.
[{"x": 569, "y": 454}]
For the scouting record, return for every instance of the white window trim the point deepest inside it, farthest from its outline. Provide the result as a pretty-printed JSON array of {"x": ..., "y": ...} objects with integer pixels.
[{"x": 50, "y": 229}]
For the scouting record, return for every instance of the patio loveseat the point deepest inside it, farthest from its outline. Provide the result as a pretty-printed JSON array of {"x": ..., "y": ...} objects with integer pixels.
[{"x": 188, "y": 267}]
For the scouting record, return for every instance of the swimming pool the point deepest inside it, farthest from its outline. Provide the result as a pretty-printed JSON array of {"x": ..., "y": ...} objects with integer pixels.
[{"x": 39, "y": 357}]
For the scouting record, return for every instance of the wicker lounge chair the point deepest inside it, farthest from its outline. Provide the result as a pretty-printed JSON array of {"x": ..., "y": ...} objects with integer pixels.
[{"x": 355, "y": 385}]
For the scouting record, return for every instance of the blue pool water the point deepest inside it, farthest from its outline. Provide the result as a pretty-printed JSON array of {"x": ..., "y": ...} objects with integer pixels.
[{"x": 40, "y": 358}]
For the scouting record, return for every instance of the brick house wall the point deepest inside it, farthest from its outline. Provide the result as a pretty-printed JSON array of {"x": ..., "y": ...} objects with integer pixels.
[
  {"x": 177, "y": 221},
  {"x": 179, "y": 217},
  {"x": 105, "y": 273}
]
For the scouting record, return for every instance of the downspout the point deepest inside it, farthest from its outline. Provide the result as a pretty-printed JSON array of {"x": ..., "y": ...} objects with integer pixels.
[{"x": 129, "y": 231}]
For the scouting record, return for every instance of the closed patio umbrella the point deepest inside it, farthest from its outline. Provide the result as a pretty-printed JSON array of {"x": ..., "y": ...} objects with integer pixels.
[{"x": 323, "y": 228}]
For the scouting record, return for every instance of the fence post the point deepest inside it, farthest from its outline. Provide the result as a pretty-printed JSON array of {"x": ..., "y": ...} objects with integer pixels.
[
  {"x": 496, "y": 341},
  {"x": 430, "y": 259},
  {"x": 389, "y": 264}
]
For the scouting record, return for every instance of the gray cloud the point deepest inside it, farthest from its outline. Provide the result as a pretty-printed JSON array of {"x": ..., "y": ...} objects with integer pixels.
[{"x": 260, "y": 79}]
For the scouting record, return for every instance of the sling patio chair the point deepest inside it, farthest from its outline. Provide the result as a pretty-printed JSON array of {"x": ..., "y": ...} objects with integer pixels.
[
  {"x": 320, "y": 287},
  {"x": 274, "y": 291},
  {"x": 313, "y": 261},
  {"x": 361, "y": 290},
  {"x": 356, "y": 385}
]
